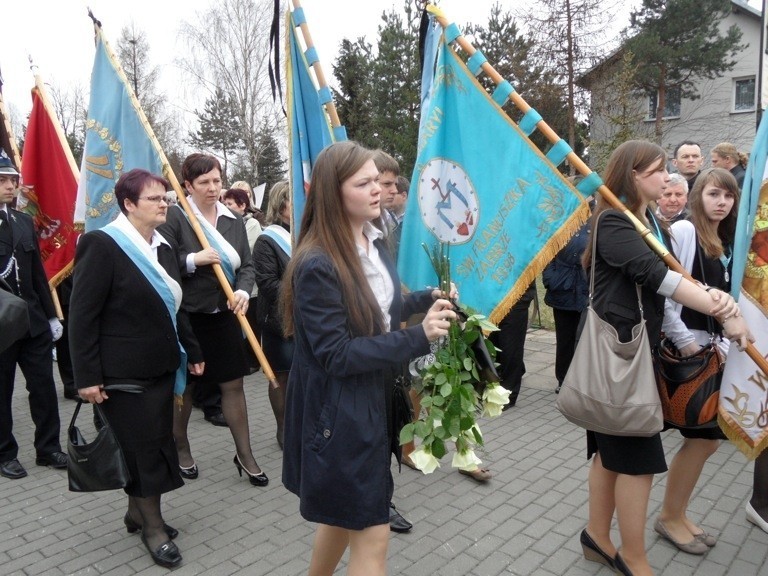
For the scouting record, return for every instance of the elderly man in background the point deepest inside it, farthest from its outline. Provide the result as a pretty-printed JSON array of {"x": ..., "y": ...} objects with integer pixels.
[{"x": 671, "y": 206}]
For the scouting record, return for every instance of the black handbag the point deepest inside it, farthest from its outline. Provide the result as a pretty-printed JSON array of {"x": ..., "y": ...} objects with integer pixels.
[
  {"x": 14, "y": 316},
  {"x": 98, "y": 465}
]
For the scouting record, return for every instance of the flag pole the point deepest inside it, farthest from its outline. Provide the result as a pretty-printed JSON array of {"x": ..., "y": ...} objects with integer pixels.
[
  {"x": 330, "y": 107},
  {"x": 182, "y": 199},
  {"x": 584, "y": 170},
  {"x": 14, "y": 151}
]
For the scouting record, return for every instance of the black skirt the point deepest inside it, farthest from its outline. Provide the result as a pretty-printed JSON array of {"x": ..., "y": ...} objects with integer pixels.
[
  {"x": 143, "y": 424},
  {"x": 632, "y": 455},
  {"x": 221, "y": 340},
  {"x": 278, "y": 350}
]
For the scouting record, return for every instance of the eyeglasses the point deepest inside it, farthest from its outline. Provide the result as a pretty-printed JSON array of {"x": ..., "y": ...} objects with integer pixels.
[{"x": 155, "y": 199}]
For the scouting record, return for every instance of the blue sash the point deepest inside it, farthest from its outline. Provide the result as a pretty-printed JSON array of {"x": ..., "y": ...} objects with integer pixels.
[
  {"x": 280, "y": 236},
  {"x": 158, "y": 283},
  {"x": 226, "y": 265}
]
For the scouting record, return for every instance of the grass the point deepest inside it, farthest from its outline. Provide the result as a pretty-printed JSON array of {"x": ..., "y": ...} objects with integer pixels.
[{"x": 541, "y": 317}]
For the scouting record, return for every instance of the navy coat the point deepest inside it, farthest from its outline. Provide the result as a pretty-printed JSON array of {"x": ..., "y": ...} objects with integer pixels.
[
  {"x": 337, "y": 450},
  {"x": 565, "y": 279}
]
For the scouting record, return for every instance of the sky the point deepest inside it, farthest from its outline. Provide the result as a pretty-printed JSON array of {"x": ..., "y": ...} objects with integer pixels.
[{"x": 58, "y": 36}]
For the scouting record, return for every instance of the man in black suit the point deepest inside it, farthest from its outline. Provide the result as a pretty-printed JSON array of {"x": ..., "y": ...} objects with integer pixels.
[{"x": 22, "y": 268}]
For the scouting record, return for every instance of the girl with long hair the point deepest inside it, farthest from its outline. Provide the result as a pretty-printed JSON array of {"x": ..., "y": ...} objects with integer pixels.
[
  {"x": 343, "y": 307},
  {"x": 704, "y": 247}
]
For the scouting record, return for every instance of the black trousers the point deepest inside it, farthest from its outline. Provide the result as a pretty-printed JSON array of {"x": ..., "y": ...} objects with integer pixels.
[
  {"x": 566, "y": 325},
  {"x": 511, "y": 340},
  {"x": 33, "y": 356}
]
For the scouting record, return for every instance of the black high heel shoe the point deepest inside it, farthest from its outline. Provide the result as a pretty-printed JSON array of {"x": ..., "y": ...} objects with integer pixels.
[
  {"x": 166, "y": 555},
  {"x": 593, "y": 552},
  {"x": 256, "y": 479},
  {"x": 131, "y": 526},
  {"x": 620, "y": 567}
]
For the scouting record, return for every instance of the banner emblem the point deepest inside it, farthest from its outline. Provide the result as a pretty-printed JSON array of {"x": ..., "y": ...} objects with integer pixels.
[{"x": 448, "y": 202}]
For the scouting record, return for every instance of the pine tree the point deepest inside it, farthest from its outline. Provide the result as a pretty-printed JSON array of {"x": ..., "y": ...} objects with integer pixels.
[
  {"x": 220, "y": 129},
  {"x": 679, "y": 42},
  {"x": 354, "y": 75},
  {"x": 271, "y": 165},
  {"x": 395, "y": 102}
]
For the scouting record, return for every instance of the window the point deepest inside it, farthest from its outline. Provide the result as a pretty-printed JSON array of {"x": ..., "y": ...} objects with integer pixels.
[
  {"x": 671, "y": 104},
  {"x": 744, "y": 94}
]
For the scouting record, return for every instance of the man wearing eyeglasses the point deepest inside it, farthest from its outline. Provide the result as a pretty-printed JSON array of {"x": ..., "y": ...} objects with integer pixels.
[{"x": 22, "y": 269}]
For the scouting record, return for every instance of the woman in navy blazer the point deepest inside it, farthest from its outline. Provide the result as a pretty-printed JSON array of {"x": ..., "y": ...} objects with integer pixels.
[{"x": 343, "y": 306}]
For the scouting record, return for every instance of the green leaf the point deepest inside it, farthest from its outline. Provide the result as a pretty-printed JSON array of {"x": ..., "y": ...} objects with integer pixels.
[
  {"x": 478, "y": 436},
  {"x": 468, "y": 364},
  {"x": 427, "y": 401},
  {"x": 422, "y": 429},
  {"x": 438, "y": 448},
  {"x": 441, "y": 433},
  {"x": 441, "y": 379},
  {"x": 454, "y": 426},
  {"x": 437, "y": 401},
  {"x": 406, "y": 434},
  {"x": 446, "y": 389}
]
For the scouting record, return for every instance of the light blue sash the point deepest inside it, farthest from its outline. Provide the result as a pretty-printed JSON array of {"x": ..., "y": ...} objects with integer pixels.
[
  {"x": 281, "y": 236},
  {"x": 158, "y": 283},
  {"x": 226, "y": 264}
]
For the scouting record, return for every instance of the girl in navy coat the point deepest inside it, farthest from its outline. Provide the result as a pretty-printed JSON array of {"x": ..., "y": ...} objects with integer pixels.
[{"x": 343, "y": 306}]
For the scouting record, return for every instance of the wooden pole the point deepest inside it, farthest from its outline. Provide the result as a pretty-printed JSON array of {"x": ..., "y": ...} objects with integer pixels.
[
  {"x": 14, "y": 151},
  {"x": 329, "y": 106},
  {"x": 171, "y": 177},
  {"x": 584, "y": 170}
]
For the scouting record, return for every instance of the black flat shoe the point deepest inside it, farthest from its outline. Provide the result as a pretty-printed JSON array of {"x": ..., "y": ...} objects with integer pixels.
[
  {"x": 396, "y": 521},
  {"x": 131, "y": 526},
  {"x": 621, "y": 568},
  {"x": 189, "y": 473},
  {"x": 12, "y": 469},
  {"x": 593, "y": 552},
  {"x": 256, "y": 479},
  {"x": 56, "y": 460},
  {"x": 217, "y": 420},
  {"x": 166, "y": 555}
]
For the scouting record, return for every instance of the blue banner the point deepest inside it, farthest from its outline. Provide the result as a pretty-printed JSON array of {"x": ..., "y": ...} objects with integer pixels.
[
  {"x": 481, "y": 186},
  {"x": 115, "y": 141},
  {"x": 310, "y": 130}
]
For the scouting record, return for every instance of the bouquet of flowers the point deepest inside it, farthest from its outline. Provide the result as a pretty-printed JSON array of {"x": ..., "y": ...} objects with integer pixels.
[{"x": 457, "y": 383}]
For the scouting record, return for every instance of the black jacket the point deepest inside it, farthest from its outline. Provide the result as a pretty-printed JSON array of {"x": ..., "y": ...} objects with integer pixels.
[{"x": 269, "y": 262}]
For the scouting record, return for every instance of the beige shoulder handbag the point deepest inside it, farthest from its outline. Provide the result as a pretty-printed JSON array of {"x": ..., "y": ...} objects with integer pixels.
[{"x": 610, "y": 386}]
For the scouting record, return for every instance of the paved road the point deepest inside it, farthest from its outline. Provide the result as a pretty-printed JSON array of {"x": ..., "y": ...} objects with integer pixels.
[{"x": 526, "y": 521}]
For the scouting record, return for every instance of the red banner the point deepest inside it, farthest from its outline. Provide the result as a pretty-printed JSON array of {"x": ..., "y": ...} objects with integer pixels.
[{"x": 49, "y": 188}]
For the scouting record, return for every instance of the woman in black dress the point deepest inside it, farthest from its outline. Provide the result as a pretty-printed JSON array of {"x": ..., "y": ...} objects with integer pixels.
[
  {"x": 212, "y": 316},
  {"x": 124, "y": 312},
  {"x": 622, "y": 469}
]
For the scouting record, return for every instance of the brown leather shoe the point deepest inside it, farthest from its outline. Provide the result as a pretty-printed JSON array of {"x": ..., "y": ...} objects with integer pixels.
[{"x": 481, "y": 475}]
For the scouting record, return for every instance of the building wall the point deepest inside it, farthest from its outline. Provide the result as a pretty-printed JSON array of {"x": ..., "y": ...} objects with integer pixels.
[{"x": 709, "y": 120}]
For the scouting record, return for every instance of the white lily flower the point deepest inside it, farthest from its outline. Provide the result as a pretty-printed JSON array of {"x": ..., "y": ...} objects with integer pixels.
[
  {"x": 496, "y": 394},
  {"x": 466, "y": 460},
  {"x": 424, "y": 460}
]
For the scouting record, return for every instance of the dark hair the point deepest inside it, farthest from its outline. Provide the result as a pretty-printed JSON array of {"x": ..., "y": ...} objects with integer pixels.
[
  {"x": 131, "y": 183},
  {"x": 714, "y": 237},
  {"x": 685, "y": 143},
  {"x": 240, "y": 197},
  {"x": 325, "y": 228},
  {"x": 630, "y": 157},
  {"x": 198, "y": 164}
]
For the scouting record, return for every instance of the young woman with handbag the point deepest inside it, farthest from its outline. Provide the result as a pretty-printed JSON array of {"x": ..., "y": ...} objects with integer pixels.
[
  {"x": 703, "y": 245},
  {"x": 622, "y": 469}
]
